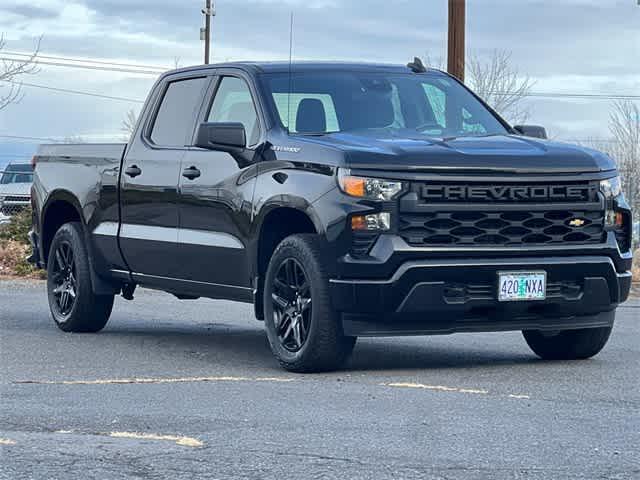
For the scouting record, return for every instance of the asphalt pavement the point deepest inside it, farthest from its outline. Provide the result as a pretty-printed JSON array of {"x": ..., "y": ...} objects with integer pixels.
[{"x": 189, "y": 389}]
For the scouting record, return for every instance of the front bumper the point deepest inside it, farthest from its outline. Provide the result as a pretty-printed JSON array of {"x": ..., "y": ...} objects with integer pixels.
[{"x": 446, "y": 296}]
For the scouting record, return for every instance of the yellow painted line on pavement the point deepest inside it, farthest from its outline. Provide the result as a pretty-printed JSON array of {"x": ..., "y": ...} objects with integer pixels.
[
  {"x": 177, "y": 439},
  {"x": 442, "y": 388},
  {"x": 125, "y": 381},
  {"x": 6, "y": 441},
  {"x": 439, "y": 388}
]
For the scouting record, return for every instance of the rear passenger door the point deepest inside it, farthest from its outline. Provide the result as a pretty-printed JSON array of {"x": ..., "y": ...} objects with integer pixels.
[
  {"x": 215, "y": 205},
  {"x": 150, "y": 178}
]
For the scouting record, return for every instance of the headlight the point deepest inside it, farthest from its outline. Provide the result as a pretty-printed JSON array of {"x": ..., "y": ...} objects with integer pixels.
[
  {"x": 365, "y": 187},
  {"x": 611, "y": 187},
  {"x": 617, "y": 217}
]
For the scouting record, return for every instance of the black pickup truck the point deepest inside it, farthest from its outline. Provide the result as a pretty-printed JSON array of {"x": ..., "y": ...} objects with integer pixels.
[{"x": 342, "y": 200}]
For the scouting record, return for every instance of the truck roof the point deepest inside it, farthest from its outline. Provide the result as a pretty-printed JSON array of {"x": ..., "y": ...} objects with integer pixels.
[{"x": 302, "y": 66}]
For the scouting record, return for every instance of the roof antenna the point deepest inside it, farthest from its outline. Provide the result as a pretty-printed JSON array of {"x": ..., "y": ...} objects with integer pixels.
[
  {"x": 290, "y": 62},
  {"x": 417, "y": 66}
]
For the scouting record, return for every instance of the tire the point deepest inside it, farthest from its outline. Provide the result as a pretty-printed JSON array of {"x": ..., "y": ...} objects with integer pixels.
[
  {"x": 297, "y": 286},
  {"x": 568, "y": 344},
  {"x": 73, "y": 305}
]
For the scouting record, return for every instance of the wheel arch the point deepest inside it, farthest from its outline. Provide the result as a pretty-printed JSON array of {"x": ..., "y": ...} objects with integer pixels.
[
  {"x": 275, "y": 224},
  {"x": 63, "y": 207}
]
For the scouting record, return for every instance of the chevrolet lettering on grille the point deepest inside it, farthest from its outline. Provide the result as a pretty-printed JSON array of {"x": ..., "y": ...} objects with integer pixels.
[{"x": 509, "y": 193}]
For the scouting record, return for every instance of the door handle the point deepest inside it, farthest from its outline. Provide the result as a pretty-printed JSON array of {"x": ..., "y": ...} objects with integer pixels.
[
  {"x": 191, "y": 173},
  {"x": 133, "y": 171}
]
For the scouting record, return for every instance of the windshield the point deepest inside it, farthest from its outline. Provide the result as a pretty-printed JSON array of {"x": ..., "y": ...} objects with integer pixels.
[
  {"x": 431, "y": 104},
  {"x": 17, "y": 173}
]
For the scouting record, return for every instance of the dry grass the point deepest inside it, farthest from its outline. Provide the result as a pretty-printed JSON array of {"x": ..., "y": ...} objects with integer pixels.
[
  {"x": 12, "y": 260},
  {"x": 14, "y": 248},
  {"x": 636, "y": 266}
]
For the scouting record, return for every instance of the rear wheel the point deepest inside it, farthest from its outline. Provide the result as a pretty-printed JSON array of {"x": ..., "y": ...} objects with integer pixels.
[
  {"x": 74, "y": 307},
  {"x": 568, "y": 344},
  {"x": 304, "y": 332}
]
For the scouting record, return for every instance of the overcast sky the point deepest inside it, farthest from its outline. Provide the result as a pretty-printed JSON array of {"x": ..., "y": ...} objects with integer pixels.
[{"x": 576, "y": 46}]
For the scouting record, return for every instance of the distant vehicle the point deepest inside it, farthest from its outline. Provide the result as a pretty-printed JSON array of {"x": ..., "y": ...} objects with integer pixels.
[
  {"x": 15, "y": 189},
  {"x": 342, "y": 200}
]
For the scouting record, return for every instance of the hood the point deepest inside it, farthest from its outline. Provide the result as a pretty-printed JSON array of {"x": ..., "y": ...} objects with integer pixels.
[
  {"x": 399, "y": 151},
  {"x": 15, "y": 189}
]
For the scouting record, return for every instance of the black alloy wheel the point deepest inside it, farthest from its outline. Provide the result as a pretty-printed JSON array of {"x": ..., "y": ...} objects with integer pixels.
[
  {"x": 292, "y": 308},
  {"x": 304, "y": 331},
  {"x": 74, "y": 305},
  {"x": 64, "y": 278}
]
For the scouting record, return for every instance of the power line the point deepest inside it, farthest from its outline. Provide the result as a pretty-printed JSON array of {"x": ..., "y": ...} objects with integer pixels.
[
  {"x": 19, "y": 137},
  {"x": 89, "y": 67},
  {"x": 604, "y": 96},
  {"x": 76, "y": 92},
  {"x": 77, "y": 59},
  {"x": 154, "y": 70},
  {"x": 589, "y": 140}
]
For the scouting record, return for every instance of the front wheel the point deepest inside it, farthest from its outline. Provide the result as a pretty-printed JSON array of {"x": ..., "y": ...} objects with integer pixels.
[
  {"x": 73, "y": 304},
  {"x": 568, "y": 344},
  {"x": 304, "y": 332}
]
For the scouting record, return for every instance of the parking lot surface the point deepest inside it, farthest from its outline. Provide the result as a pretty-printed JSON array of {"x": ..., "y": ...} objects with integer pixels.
[{"x": 190, "y": 390}]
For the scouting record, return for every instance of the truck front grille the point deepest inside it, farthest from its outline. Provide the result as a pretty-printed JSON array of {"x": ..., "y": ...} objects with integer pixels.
[
  {"x": 434, "y": 214},
  {"x": 17, "y": 199},
  {"x": 468, "y": 228}
]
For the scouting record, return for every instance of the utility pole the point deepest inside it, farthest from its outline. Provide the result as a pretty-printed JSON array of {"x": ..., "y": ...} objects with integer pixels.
[
  {"x": 456, "y": 54},
  {"x": 208, "y": 12}
]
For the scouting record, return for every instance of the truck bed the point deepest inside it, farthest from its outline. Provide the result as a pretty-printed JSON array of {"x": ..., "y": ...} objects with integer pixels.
[
  {"x": 107, "y": 152},
  {"x": 85, "y": 175}
]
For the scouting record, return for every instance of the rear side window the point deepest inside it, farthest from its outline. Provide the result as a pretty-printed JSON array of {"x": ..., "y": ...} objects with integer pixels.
[{"x": 177, "y": 112}]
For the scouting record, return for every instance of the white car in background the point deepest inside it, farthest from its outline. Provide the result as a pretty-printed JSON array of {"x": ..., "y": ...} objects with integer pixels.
[{"x": 15, "y": 189}]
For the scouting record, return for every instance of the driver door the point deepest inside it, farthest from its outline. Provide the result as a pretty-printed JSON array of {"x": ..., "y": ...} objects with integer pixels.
[{"x": 215, "y": 196}]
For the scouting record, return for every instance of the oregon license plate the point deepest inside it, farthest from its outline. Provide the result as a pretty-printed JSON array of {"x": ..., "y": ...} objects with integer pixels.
[{"x": 520, "y": 286}]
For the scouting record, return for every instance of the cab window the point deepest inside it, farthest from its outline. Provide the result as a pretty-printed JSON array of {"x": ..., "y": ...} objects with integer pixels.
[
  {"x": 177, "y": 112},
  {"x": 233, "y": 103}
]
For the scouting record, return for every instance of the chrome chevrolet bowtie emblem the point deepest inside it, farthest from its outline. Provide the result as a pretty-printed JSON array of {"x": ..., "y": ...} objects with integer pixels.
[{"x": 577, "y": 222}]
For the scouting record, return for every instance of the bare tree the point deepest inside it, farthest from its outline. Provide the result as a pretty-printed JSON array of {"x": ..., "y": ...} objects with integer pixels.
[
  {"x": 500, "y": 84},
  {"x": 623, "y": 145},
  {"x": 10, "y": 73},
  {"x": 129, "y": 123},
  {"x": 497, "y": 82},
  {"x": 624, "y": 124}
]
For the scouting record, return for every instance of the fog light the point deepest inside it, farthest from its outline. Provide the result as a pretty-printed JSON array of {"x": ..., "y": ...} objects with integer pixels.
[
  {"x": 619, "y": 219},
  {"x": 614, "y": 219},
  {"x": 371, "y": 222}
]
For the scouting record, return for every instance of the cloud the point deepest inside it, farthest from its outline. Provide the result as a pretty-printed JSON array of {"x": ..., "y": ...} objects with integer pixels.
[{"x": 568, "y": 46}]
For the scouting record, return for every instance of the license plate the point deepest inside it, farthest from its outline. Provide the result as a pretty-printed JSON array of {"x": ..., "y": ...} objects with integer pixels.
[{"x": 521, "y": 286}]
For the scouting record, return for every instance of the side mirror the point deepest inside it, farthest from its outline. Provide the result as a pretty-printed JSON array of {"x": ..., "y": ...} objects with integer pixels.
[
  {"x": 534, "y": 131},
  {"x": 222, "y": 136}
]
